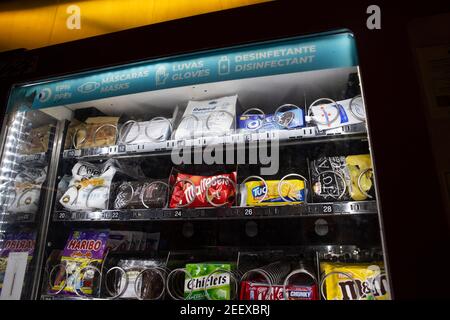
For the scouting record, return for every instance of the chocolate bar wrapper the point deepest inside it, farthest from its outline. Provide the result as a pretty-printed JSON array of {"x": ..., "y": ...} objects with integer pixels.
[{"x": 260, "y": 291}]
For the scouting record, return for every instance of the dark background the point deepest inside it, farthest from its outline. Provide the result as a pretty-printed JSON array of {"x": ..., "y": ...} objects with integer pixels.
[{"x": 415, "y": 222}]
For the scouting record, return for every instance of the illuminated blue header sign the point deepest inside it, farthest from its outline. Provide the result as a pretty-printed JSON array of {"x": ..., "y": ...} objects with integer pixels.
[{"x": 278, "y": 57}]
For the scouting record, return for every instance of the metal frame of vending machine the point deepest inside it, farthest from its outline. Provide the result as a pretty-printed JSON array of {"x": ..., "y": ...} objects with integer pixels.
[
  {"x": 324, "y": 144},
  {"x": 186, "y": 225}
]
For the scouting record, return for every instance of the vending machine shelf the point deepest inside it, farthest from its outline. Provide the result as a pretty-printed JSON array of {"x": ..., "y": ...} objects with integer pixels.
[
  {"x": 306, "y": 210},
  {"x": 297, "y": 137}
]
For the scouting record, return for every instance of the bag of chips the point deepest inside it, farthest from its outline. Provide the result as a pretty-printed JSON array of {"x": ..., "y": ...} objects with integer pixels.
[{"x": 342, "y": 178}]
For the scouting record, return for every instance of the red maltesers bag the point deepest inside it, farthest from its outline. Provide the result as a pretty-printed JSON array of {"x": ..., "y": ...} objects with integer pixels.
[{"x": 203, "y": 191}]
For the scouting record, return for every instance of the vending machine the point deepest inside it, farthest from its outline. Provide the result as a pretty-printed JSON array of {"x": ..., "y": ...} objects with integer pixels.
[{"x": 239, "y": 173}]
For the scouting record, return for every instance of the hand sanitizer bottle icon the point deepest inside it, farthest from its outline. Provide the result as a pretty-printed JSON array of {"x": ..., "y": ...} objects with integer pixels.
[
  {"x": 161, "y": 75},
  {"x": 224, "y": 66}
]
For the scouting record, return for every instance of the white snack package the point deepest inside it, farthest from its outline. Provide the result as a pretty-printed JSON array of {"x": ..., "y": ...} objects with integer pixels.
[
  {"x": 329, "y": 116},
  {"x": 214, "y": 117},
  {"x": 89, "y": 187}
]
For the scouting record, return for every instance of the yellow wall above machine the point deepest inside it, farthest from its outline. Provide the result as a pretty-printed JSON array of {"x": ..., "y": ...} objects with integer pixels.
[{"x": 37, "y": 23}]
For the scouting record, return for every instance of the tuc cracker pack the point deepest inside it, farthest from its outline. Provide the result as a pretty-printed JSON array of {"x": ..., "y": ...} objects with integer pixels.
[
  {"x": 83, "y": 249},
  {"x": 292, "y": 190},
  {"x": 369, "y": 277},
  {"x": 217, "y": 285},
  {"x": 15, "y": 242}
]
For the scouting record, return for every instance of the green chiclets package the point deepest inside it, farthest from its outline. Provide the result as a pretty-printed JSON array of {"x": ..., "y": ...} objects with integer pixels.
[{"x": 218, "y": 285}]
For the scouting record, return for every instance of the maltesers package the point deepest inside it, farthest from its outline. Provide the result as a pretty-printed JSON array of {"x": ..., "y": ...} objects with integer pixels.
[{"x": 190, "y": 190}]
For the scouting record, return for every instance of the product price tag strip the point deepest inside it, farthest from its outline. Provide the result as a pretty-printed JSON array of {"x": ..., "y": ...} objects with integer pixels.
[
  {"x": 37, "y": 158},
  {"x": 297, "y": 135},
  {"x": 19, "y": 217},
  {"x": 305, "y": 210}
]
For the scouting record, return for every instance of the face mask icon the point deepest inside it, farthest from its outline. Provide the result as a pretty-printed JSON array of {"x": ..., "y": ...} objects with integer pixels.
[{"x": 161, "y": 75}]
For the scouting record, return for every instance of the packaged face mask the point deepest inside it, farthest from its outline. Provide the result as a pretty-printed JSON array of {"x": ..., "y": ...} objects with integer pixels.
[
  {"x": 330, "y": 116},
  {"x": 290, "y": 119},
  {"x": 217, "y": 286},
  {"x": 255, "y": 193},
  {"x": 207, "y": 118},
  {"x": 27, "y": 190},
  {"x": 83, "y": 249},
  {"x": 355, "y": 280},
  {"x": 146, "y": 131}
]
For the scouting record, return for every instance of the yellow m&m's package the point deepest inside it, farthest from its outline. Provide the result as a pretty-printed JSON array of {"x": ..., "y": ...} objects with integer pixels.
[{"x": 354, "y": 281}]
